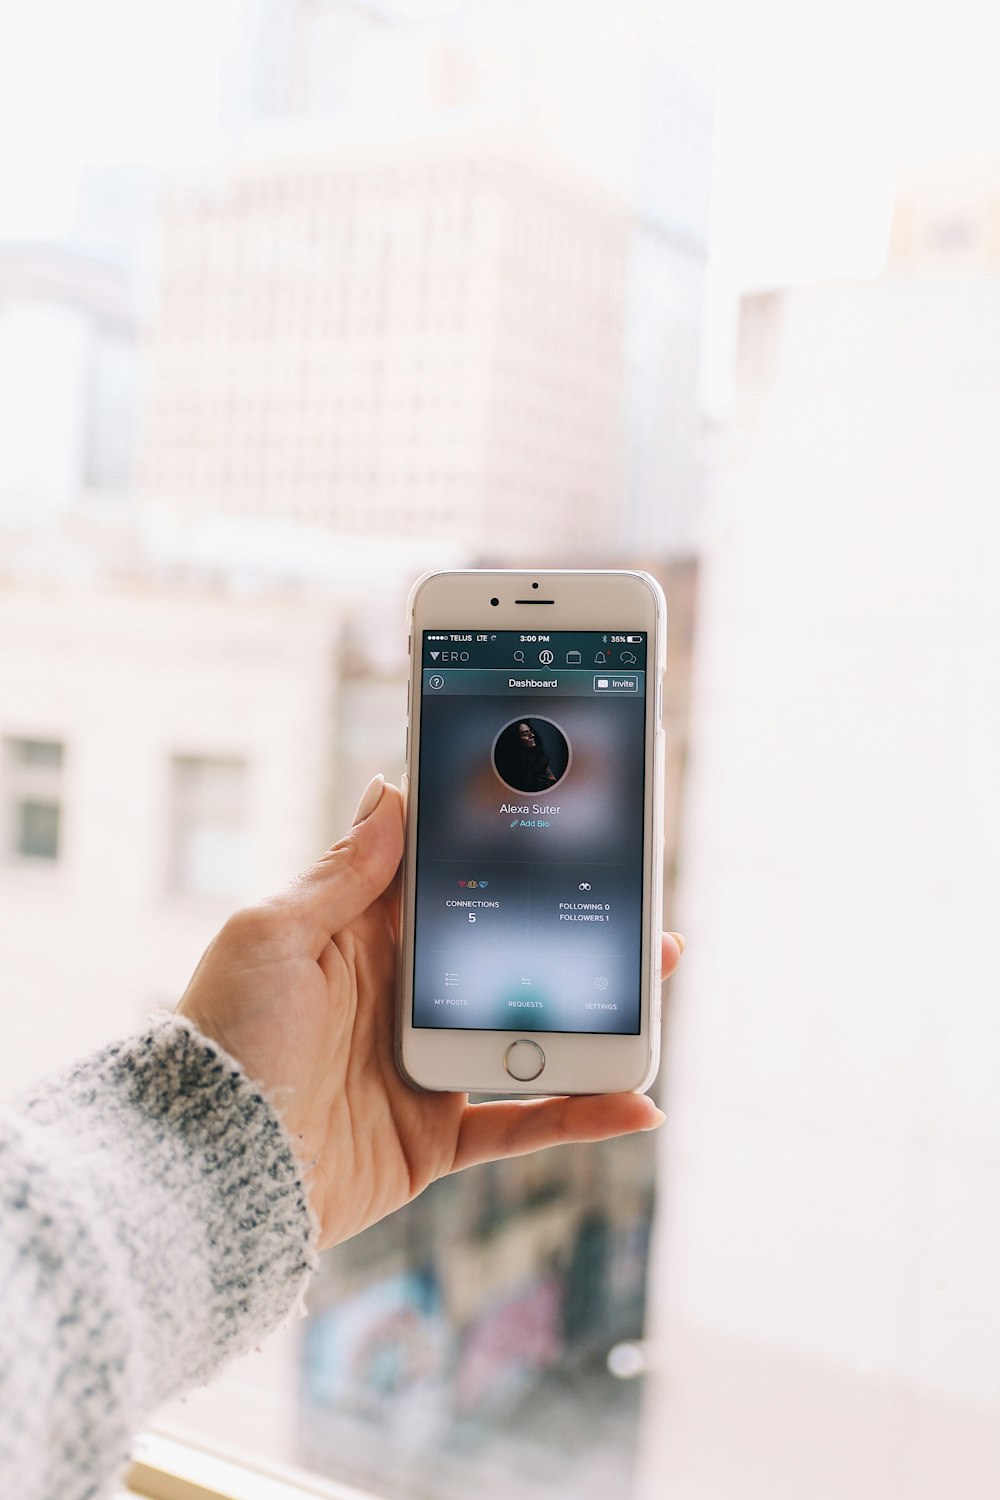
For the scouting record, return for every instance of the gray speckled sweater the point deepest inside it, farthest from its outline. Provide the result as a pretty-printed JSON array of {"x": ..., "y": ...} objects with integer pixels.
[{"x": 153, "y": 1224}]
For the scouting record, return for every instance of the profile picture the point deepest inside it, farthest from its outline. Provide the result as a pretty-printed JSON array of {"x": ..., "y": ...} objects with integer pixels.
[{"x": 531, "y": 755}]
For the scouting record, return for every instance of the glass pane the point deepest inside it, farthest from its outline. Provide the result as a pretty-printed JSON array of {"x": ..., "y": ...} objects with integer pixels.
[
  {"x": 37, "y": 830},
  {"x": 210, "y": 843},
  {"x": 36, "y": 752},
  {"x": 371, "y": 287}
]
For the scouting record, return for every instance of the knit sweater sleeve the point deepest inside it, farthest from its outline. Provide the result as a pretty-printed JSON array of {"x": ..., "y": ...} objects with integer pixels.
[{"x": 153, "y": 1224}]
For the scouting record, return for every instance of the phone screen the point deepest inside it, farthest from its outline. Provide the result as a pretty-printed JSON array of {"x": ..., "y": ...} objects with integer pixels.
[{"x": 530, "y": 831}]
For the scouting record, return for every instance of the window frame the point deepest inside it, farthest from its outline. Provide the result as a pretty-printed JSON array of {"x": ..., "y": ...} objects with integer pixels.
[
  {"x": 167, "y": 1467},
  {"x": 192, "y": 806},
  {"x": 25, "y": 782}
]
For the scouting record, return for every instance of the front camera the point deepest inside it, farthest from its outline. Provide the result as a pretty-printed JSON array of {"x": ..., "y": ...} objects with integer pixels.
[
  {"x": 534, "y": 585},
  {"x": 494, "y": 601}
]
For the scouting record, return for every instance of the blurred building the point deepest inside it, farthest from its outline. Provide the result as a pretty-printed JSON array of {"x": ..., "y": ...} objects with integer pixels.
[
  {"x": 68, "y": 375},
  {"x": 947, "y": 218},
  {"x": 393, "y": 341},
  {"x": 164, "y": 756},
  {"x": 117, "y": 219},
  {"x": 825, "y": 1276},
  {"x": 296, "y": 59},
  {"x": 450, "y": 276},
  {"x": 176, "y": 736}
]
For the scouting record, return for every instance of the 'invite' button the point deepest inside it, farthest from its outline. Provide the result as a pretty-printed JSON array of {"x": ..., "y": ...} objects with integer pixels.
[{"x": 628, "y": 682}]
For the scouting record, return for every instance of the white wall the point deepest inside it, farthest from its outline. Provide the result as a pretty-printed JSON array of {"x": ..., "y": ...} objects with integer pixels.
[
  {"x": 128, "y": 678},
  {"x": 827, "y": 1277}
]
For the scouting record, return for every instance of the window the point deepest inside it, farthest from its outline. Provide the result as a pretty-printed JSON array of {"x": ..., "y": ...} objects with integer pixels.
[
  {"x": 208, "y": 831},
  {"x": 951, "y": 234},
  {"x": 33, "y": 777},
  {"x": 196, "y": 690}
]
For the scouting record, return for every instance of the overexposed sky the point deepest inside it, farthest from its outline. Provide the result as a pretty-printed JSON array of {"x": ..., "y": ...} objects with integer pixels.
[
  {"x": 95, "y": 82},
  {"x": 818, "y": 107}
]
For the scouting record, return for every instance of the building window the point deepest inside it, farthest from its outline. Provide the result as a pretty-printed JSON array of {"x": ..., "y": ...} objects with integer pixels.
[
  {"x": 951, "y": 234},
  {"x": 209, "y": 838},
  {"x": 33, "y": 784}
]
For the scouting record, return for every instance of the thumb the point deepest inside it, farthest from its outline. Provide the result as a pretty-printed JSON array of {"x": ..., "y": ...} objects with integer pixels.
[{"x": 356, "y": 869}]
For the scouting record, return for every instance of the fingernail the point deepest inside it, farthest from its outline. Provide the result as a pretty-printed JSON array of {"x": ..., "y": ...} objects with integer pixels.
[
  {"x": 370, "y": 799},
  {"x": 656, "y": 1122},
  {"x": 678, "y": 938}
]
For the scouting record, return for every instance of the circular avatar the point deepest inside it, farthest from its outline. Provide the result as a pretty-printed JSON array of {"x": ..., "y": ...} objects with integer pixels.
[{"x": 531, "y": 755}]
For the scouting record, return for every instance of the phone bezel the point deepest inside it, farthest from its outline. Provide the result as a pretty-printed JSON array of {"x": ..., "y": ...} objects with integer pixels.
[{"x": 576, "y": 1062}]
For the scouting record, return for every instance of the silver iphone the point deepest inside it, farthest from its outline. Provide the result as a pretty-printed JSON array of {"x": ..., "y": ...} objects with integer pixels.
[{"x": 531, "y": 885}]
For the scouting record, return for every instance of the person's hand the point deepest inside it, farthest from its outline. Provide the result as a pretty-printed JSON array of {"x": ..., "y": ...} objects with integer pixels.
[{"x": 300, "y": 990}]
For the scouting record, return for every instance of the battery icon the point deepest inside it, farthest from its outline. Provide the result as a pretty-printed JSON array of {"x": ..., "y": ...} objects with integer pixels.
[{"x": 634, "y": 639}]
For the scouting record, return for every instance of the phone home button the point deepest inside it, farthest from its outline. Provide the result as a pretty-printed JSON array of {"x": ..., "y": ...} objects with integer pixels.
[{"x": 524, "y": 1061}]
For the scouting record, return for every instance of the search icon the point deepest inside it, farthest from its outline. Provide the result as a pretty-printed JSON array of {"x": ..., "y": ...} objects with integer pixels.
[{"x": 519, "y": 656}]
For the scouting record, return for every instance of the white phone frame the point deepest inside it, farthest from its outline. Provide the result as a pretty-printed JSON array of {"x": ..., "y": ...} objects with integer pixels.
[{"x": 438, "y": 1058}]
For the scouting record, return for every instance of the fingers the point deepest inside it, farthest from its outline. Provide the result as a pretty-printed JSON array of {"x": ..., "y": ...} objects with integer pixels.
[
  {"x": 355, "y": 871},
  {"x": 673, "y": 947},
  {"x": 489, "y": 1132},
  {"x": 514, "y": 1127}
]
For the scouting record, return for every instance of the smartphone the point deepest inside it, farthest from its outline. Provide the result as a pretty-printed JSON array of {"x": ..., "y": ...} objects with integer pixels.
[{"x": 531, "y": 883}]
